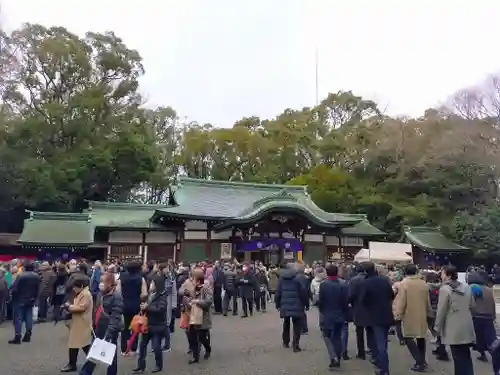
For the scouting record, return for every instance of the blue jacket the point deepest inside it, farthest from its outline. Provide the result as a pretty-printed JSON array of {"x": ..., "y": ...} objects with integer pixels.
[
  {"x": 95, "y": 279},
  {"x": 291, "y": 296},
  {"x": 333, "y": 303},
  {"x": 24, "y": 290}
]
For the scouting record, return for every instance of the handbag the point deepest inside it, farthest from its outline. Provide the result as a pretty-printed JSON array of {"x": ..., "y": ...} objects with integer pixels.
[
  {"x": 184, "y": 320},
  {"x": 139, "y": 323},
  {"x": 196, "y": 315},
  {"x": 102, "y": 351}
]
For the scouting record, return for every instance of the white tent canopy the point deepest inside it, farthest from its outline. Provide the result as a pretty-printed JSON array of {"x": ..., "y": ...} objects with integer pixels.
[{"x": 382, "y": 256}]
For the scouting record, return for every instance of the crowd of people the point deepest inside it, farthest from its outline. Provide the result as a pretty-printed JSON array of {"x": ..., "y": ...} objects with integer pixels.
[{"x": 133, "y": 304}]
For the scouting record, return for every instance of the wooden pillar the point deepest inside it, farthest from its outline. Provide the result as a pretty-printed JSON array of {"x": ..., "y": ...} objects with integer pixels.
[
  {"x": 142, "y": 246},
  {"x": 181, "y": 243},
  {"x": 324, "y": 248},
  {"x": 341, "y": 252},
  {"x": 208, "y": 247}
]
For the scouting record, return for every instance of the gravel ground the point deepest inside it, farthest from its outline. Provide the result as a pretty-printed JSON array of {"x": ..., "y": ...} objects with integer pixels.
[{"x": 240, "y": 347}]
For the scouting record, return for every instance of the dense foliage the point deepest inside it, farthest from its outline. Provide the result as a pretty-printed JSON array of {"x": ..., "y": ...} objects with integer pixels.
[{"x": 75, "y": 127}]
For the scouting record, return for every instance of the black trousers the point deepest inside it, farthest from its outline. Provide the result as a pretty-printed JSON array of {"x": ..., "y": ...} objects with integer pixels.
[
  {"x": 296, "y": 322},
  {"x": 230, "y": 297},
  {"x": 462, "y": 360},
  {"x": 417, "y": 349},
  {"x": 218, "y": 299},
  {"x": 73, "y": 355},
  {"x": 360, "y": 341},
  {"x": 125, "y": 335},
  {"x": 247, "y": 305},
  {"x": 155, "y": 338},
  {"x": 197, "y": 338},
  {"x": 260, "y": 300}
]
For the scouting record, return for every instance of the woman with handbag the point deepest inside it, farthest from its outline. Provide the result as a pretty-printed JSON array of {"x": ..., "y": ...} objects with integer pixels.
[
  {"x": 108, "y": 322},
  {"x": 156, "y": 311},
  {"x": 197, "y": 303},
  {"x": 80, "y": 323}
]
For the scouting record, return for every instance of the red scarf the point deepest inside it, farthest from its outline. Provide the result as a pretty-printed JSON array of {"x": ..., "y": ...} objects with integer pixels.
[{"x": 333, "y": 278}]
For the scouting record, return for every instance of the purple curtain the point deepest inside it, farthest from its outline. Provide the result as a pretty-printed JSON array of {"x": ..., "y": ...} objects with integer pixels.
[{"x": 288, "y": 244}]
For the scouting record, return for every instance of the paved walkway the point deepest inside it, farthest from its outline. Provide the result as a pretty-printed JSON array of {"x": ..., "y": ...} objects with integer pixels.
[{"x": 240, "y": 347}]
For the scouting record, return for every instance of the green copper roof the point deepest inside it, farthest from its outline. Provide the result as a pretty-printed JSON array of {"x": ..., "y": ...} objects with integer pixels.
[
  {"x": 285, "y": 201},
  {"x": 240, "y": 201},
  {"x": 123, "y": 215},
  {"x": 50, "y": 228},
  {"x": 362, "y": 229},
  {"x": 431, "y": 239}
]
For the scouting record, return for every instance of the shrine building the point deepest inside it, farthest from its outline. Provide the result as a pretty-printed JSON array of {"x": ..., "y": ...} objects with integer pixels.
[{"x": 204, "y": 219}]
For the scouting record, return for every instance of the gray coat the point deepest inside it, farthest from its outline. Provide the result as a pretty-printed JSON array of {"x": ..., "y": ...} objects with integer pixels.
[
  {"x": 453, "y": 316},
  {"x": 171, "y": 290}
]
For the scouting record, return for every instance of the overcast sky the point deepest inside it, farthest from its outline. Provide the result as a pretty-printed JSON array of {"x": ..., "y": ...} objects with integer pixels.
[{"x": 219, "y": 60}]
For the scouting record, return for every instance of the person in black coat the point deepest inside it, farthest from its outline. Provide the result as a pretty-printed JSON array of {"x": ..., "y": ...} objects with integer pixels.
[
  {"x": 333, "y": 306},
  {"x": 373, "y": 298},
  {"x": 247, "y": 284},
  {"x": 306, "y": 284},
  {"x": 156, "y": 310},
  {"x": 231, "y": 291},
  {"x": 24, "y": 294},
  {"x": 291, "y": 299},
  {"x": 360, "y": 329}
]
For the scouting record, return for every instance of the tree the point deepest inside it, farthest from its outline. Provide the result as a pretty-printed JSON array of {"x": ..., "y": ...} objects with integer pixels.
[{"x": 76, "y": 129}]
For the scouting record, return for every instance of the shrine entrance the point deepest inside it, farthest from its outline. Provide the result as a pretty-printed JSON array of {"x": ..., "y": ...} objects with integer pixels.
[{"x": 269, "y": 251}]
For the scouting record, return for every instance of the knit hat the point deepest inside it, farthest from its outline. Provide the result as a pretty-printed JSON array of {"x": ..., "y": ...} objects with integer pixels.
[{"x": 477, "y": 292}]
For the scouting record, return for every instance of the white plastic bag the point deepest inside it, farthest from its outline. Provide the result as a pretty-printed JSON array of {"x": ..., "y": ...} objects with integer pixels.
[
  {"x": 223, "y": 293},
  {"x": 35, "y": 313},
  {"x": 102, "y": 352}
]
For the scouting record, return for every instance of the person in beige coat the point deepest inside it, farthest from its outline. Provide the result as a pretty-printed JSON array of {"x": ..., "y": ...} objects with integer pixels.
[
  {"x": 199, "y": 296},
  {"x": 80, "y": 325},
  {"x": 454, "y": 320},
  {"x": 411, "y": 307}
]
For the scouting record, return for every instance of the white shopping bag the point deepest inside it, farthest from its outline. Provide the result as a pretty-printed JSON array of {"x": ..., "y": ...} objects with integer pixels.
[
  {"x": 35, "y": 312},
  {"x": 223, "y": 293},
  {"x": 102, "y": 352}
]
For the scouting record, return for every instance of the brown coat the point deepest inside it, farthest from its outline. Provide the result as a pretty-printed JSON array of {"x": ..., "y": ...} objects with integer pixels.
[
  {"x": 80, "y": 326},
  {"x": 412, "y": 306}
]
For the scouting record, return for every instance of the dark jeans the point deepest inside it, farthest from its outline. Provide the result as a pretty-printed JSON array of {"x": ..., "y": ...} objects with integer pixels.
[
  {"x": 3, "y": 307},
  {"x": 218, "y": 299},
  {"x": 297, "y": 330},
  {"x": 198, "y": 337},
  {"x": 167, "y": 338},
  {"x": 43, "y": 308},
  {"x": 485, "y": 334},
  {"x": 260, "y": 300},
  {"x": 73, "y": 355},
  {"x": 462, "y": 360},
  {"x": 333, "y": 341},
  {"x": 305, "y": 327},
  {"x": 89, "y": 367},
  {"x": 155, "y": 338},
  {"x": 125, "y": 335},
  {"x": 417, "y": 348},
  {"x": 378, "y": 338},
  {"x": 230, "y": 297},
  {"x": 23, "y": 314},
  {"x": 247, "y": 305},
  {"x": 344, "y": 336}
]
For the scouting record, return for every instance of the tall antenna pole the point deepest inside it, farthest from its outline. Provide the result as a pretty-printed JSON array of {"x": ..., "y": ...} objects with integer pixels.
[{"x": 316, "y": 62}]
